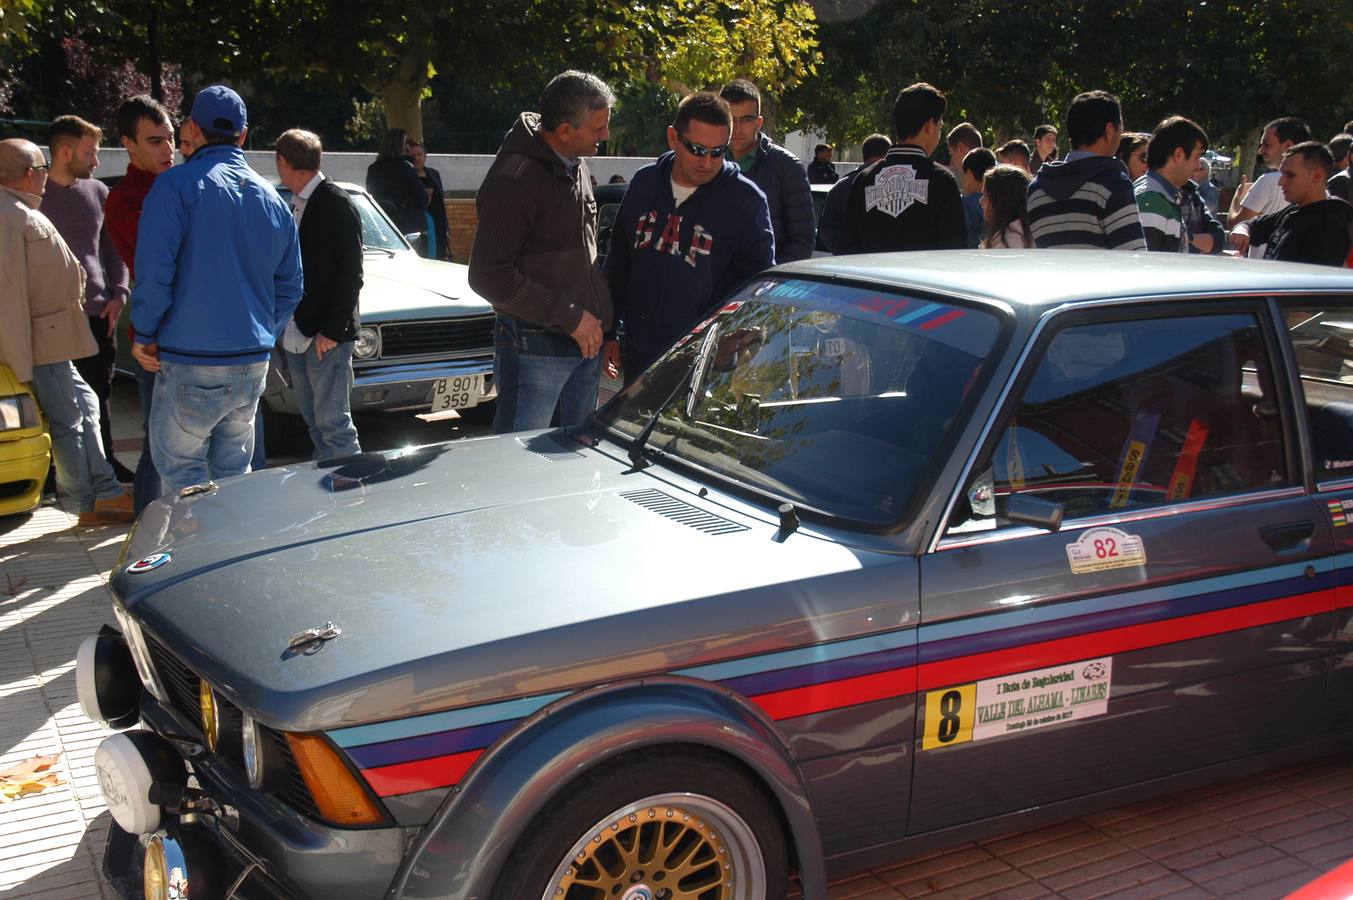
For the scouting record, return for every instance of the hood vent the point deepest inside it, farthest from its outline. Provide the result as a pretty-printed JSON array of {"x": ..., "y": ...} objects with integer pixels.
[
  {"x": 680, "y": 511},
  {"x": 550, "y": 446}
]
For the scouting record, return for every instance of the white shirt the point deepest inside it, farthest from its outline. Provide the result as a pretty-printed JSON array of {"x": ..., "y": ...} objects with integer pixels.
[
  {"x": 681, "y": 193},
  {"x": 299, "y": 200},
  {"x": 292, "y": 339},
  {"x": 1264, "y": 197}
]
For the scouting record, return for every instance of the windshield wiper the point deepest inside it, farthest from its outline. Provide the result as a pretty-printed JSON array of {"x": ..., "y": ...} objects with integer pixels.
[
  {"x": 385, "y": 250},
  {"x": 636, "y": 453}
]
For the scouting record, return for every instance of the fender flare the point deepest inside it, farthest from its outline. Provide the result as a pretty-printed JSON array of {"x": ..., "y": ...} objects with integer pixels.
[{"x": 460, "y": 852}]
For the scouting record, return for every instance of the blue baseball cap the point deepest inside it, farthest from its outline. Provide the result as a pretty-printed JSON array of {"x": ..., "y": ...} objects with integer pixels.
[{"x": 219, "y": 110}]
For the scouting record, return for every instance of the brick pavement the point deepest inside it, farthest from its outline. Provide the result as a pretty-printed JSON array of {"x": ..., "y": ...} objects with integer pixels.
[{"x": 1258, "y": 837}]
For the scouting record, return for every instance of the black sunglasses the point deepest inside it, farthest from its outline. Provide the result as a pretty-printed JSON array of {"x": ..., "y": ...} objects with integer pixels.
[{"x": 701, "y": 150}]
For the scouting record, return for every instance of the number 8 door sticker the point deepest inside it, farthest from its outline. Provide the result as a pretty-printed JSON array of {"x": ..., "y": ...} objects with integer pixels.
[{"x": 949, "y": 716}]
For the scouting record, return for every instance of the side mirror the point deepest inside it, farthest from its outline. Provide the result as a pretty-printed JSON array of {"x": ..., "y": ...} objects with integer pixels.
[{"x": 1028, "y": 510}]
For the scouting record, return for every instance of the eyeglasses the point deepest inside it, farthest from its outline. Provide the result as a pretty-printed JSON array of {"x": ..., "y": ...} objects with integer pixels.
[
  {"x": 701, "y": 150},
  {"x": 41, "y": 168}
]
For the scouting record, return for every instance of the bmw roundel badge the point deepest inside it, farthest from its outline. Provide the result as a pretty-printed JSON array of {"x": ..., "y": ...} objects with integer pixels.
[{"x": 147, "y": 563}]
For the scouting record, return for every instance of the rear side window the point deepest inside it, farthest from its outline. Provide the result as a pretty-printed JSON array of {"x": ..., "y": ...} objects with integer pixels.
[
  {"x": 1322, "y": 341},
  {"x": 1121, "y": 415}
]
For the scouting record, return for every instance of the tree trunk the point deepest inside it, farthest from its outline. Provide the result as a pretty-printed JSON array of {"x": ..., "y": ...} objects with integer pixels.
[{"x": 402, "y": 102}]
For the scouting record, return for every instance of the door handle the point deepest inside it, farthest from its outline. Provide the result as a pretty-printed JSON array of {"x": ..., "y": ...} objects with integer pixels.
[{"x": 1287, "y": 535}]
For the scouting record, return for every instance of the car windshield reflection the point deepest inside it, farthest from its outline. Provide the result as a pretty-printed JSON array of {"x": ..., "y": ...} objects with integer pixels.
[{"x": 834, "y": 398}]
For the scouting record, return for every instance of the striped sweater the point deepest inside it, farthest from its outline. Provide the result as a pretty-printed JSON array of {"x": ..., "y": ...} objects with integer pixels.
[
  {"x": 1084, "y": 203},
  {"x": 1159, "y": 205}
]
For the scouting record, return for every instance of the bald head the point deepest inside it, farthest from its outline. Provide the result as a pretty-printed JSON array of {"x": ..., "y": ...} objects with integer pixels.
[{"x": 17, "y": 160}]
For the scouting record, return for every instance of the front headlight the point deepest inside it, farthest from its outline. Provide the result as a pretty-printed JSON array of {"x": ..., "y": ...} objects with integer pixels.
[
  {"x": 140, "y": 654},
  {"x": 18, "y": 411},
  {"x": 263, "y": 763},
  {"x": 367, "y": 344}
]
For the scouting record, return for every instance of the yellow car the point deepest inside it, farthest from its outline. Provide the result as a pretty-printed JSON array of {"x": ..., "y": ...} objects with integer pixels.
[{"x": 25, "y": 446}]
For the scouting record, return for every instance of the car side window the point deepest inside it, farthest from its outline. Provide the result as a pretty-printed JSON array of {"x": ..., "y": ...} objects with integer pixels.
[
  {"x": 1322, "y": 342},
  {"x": 1135, "y": 413}
]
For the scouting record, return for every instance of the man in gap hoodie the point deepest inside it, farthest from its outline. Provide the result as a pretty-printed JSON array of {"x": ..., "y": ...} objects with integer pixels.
[{"x": 690, "y": 229}]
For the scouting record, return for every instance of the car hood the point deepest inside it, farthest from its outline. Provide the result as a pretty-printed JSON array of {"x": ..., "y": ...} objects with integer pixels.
[
  {"x": 406, "y": 286},
  {"x": 474, "y": 571}
]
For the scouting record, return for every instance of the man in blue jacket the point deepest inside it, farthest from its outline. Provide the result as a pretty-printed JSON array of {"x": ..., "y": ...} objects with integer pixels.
[
  {"x": 690, "y": 230},
  {"x": 218, "y": 275},
  {"x": 779, "y": 174}
]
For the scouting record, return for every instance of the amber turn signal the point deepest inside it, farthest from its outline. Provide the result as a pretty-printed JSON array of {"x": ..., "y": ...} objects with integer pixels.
[{"x": 338, "y": 795}]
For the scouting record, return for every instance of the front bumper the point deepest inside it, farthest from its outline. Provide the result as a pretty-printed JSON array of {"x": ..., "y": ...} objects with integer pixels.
[
  {"x": 397, "y": 387},
  {"x": 23, "y": 471},
  {"x": 286, "y": 854}
]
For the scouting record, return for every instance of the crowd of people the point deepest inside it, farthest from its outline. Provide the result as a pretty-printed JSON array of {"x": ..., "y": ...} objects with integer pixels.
[
  {"x": 220, "y": 270},
  {"x": 212, "y": 259}
]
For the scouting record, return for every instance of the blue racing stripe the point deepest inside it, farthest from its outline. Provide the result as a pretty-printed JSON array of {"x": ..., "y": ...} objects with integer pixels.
[
  {"x": 442, "y": 743},
  {"x": 784, "y": 679},
  {"x": 416, "y": 726}
]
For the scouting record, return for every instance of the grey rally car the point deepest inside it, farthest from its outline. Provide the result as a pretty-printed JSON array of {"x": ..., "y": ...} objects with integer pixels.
[{"x": 887, "y": 553}]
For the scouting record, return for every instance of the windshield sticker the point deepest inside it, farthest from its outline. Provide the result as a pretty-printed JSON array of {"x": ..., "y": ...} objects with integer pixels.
[
  {"x": 1339, "y": 511},
  {"x": 1011, "y": 704},
  {"x": 1101, "y": 549}
]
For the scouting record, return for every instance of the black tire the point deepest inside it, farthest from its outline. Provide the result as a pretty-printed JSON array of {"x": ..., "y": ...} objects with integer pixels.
[{"x": 705, "y": 781}]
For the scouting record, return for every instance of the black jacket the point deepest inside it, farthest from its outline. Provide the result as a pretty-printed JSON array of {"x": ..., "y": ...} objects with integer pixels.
[
  {"x": 395, "y": 184},
  {"x": 331, "y": 258},
  {"x": 1315, "y": 233},
  {"x": 822, "y": 171},
  {"x": 783, "y": 180},
  {"x": 432, "y": 179},
  {"x": 903, "y": 202}
]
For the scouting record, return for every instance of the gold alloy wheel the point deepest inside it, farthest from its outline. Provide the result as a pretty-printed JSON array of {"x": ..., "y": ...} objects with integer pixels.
[{"x": 668, "y": 847}]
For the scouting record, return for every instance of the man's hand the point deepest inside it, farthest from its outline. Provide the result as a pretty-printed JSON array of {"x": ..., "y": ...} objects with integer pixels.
[
  {"x": 1203, "y": 242},
  {"x": 323, "y": 345},
  {"x": 1239, "y": 241},
  {"x": 111, "y": 310},
  {"x": 610, "y": 358},
  {"x": 148, "y": 355},
  {"x": 588, "y": 335}
]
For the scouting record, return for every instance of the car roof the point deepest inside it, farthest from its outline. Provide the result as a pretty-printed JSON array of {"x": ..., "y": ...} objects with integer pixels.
[{"x": 1045, "y": 278}]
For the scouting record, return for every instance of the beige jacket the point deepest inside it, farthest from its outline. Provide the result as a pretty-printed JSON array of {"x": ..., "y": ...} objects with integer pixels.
[{"x": 42, "y": 290}]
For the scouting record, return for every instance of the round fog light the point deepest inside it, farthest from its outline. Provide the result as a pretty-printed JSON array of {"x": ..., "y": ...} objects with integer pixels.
[
  {"x": 211, "y": 715},
  {"x": 180, "y": 863},
  {"x": 127, "y": 765},
  {"x": 106, "y": 681}
]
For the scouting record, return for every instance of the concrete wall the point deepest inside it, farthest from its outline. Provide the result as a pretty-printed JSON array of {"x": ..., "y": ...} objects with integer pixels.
[{"x": 461, "y": 173}]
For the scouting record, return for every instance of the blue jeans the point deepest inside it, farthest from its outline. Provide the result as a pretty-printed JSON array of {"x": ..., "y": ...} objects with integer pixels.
[
  {"x": 72, "y": 410},
  {"x": 146, "y": 483},
  {"x": 202, "y": 422},
  {"x": 324, "y": 394},
  {"x": 536, "y": 371}
]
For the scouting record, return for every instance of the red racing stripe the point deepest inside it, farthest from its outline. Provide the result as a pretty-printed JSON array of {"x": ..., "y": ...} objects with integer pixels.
[
  {"x": 1121, "y": 640},
  {"x": 813, "y": 698},
  {"x": 421, "y": 774}
]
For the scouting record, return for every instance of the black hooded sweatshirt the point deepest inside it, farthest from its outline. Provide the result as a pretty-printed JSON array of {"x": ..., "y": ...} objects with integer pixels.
[{"x": 1318, "y": 233}]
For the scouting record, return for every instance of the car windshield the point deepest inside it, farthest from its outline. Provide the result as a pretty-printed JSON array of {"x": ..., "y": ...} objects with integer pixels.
[
  {"x": 834, "y": 398},
  {"x": 377, "y": 232}
]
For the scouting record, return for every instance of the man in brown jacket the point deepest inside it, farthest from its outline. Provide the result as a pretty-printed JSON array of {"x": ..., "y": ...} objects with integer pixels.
[
  {"x": 43, "y": 327},
  {"x": 534, "y": 258}
]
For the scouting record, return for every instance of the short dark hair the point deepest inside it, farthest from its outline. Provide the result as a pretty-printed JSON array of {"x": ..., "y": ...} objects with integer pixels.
[
  {"x": 740, "y": 90},
  {"x": 875, "y": 145},
  {"x": 1314, "y": 154},
  {"x": 572, "y": 96},
  {"x": 1339, "y": 146},
  {"x": 703, "y": 106},
  {"x": 1015, "y": 147},
  {"x": 820, "y": 147},
  {"x": 1044, "y": 129},
  {"x": 916, "y": 105},
  {"x": 1289, "y": 128},
  {"x": 1090, "y": 113},
  {"x": 1174, "y": 133},
  {"x": 965, "y": 133},
  {"x": 301, "y": 149},
  {"x": 979, "y": 161},
  {"x": 134, "y": 109},
  {"x": 394, "y": 145},
  {"x": 70, "y": 129}
]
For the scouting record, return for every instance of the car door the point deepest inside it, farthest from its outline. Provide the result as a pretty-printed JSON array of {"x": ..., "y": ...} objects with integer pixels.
[
  {"x": 1319, "y": 333},
  {"x": 1180, "y": 615}
]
